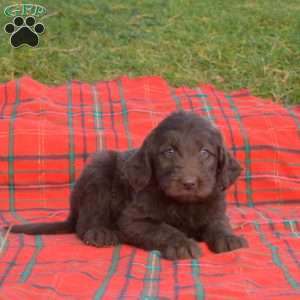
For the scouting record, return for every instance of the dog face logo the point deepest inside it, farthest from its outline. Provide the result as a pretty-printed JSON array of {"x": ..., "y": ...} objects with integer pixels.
[{"x": 24, "y": 30}]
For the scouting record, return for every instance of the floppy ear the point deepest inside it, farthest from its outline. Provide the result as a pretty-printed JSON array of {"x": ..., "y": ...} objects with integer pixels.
[
  {"x": 138, "y": 169},
  {"x": 228, "y": 169}
]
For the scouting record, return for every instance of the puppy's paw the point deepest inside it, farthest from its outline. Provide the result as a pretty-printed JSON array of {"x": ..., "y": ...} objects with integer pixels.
[
  {"x": 100, "y": 237},
  {"x": 224, "y": 243},
  {"x": 181, "y": 249}
]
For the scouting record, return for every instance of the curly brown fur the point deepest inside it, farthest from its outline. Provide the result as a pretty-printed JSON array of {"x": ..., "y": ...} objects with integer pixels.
[{"x": 166, "y": 195}]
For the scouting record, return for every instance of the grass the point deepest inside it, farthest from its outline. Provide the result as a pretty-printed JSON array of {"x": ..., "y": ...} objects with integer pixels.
[{"x": 232, "y": 44}]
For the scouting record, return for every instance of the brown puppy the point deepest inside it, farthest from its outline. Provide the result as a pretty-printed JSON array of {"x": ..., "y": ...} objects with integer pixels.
[{"x": 166, "y": 195}]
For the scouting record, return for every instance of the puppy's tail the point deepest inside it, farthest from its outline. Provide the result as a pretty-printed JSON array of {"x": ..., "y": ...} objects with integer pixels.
[{"x": 66, "y": 226}]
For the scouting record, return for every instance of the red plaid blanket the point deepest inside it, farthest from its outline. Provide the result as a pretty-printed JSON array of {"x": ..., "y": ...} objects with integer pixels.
[{"x": 46, "y": 135}]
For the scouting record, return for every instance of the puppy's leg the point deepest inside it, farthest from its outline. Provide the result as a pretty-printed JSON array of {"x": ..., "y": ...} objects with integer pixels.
[
  {"x": 151, "y": 234},
  {"x": 219, "y": 236},
  {"x": 95, "y": 233},
  {"x": 94, "y": 225}
]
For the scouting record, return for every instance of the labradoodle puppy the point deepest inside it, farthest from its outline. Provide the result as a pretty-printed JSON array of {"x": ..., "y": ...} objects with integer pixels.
[{"x": 166, "y": 195}]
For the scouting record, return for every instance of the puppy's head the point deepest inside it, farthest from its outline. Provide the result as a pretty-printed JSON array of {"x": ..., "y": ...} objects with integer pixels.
[{"x": 186, "y": 157}]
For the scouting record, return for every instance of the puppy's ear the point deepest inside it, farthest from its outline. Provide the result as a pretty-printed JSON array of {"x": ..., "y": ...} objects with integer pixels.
[
  {"x": 228, "y": 169},
  {"x": 138, "y": 169}
]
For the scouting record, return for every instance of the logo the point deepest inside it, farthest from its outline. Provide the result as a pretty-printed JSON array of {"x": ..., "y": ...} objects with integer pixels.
[{"x": 24, "y": 30}]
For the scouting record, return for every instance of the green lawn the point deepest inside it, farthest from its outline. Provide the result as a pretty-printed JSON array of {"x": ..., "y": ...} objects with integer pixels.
[{"x": 232, "y": 44}]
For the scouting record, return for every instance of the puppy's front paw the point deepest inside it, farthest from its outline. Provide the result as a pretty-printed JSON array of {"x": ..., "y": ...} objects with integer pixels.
[
  {"x": 100, "y": 237},
  {"x": 224, "y": 243},
  {"x": 181, "y": 249}
]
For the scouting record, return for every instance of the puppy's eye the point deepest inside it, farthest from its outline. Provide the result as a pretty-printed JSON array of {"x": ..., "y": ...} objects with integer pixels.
[
  {"x": 169, "y": 151},
  {"x": 204, "y": 153}
]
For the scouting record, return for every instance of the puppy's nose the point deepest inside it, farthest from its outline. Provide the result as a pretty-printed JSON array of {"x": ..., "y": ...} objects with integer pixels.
[{"x": 189, "y": 183}]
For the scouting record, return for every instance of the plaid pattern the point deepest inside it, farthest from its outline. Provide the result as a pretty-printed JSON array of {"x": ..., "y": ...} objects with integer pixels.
[{"x": 46, "y": 135}]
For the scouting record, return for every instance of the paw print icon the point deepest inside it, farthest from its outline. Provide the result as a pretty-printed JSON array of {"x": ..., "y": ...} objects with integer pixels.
[{"x": 24, "y": 32}]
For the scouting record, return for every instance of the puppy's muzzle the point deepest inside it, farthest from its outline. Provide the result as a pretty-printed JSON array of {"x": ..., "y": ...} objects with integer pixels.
[{"x": 189, "y": 183}]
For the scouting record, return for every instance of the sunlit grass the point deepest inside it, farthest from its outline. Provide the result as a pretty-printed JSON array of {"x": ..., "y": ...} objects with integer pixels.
[{"x": 232, "y": 44}]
